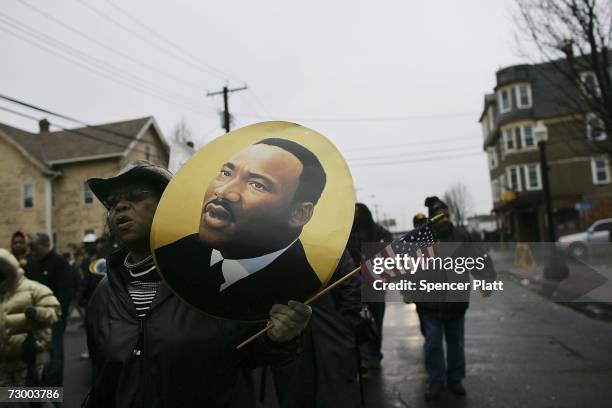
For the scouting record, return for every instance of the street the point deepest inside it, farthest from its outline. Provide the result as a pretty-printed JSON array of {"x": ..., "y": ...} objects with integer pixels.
[{"x": 522, "y": 351}]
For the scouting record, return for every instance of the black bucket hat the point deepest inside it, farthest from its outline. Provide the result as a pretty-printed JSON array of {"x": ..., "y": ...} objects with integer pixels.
[{"x": 136, "y": 171}]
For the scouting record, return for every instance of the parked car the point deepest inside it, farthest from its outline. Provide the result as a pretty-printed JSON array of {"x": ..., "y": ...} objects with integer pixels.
[{"x": 590, "y": 242}]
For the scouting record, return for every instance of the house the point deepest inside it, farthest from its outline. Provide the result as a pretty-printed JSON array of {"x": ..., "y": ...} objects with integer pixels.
[
  {"x": 578, "y": 151},
  {"x": 43, "y": 175}
]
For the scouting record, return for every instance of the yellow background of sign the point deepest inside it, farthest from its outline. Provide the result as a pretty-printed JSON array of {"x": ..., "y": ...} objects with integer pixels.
[{"x": 324, "y": 237}]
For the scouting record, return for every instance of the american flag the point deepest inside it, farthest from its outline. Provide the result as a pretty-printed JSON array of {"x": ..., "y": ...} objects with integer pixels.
[{"x": 421, "y": 241}]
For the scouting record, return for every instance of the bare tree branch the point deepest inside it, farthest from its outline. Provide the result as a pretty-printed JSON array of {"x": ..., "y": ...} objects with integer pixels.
[
  {"x": 459, "y": 201},
  {"x": 574, "y": 36}
]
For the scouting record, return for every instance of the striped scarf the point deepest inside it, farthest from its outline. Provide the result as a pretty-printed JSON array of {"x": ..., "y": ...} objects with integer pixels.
[{"x": 143, "y": 283}]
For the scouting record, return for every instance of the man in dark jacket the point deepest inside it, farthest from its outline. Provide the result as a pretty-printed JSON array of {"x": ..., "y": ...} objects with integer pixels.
[
  {"x": 326, "y": 373},
  {"x": 46, "y": 266},
  {"x": 444, "y": 315},
  {"x": 149, "y": 348}
]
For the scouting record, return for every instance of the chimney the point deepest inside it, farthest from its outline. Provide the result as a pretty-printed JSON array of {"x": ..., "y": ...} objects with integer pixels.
[{"x": 43, "y": 125}]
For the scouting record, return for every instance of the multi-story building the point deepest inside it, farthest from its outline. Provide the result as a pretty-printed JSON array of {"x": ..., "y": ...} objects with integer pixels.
[
  {"x": 42, "y": 175},
  {"x": 578, "y": 152}
]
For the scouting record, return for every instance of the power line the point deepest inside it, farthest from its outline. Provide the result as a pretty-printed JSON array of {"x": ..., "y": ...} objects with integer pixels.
[
  {"x": 186, "y": 83},
  {"x": 391, "y": 156},
  {"x": 96, "y": 72},
  {"x": 371, "y": 119},
  {"x": 92, "y": 137},
  {"x": 101, "y": 66},
  {"x": 223, "y": 75},
  {"x": 165, "y": 50},
  {"x": 260, "y": 103},
  {"x": 412, "y": 144},
  {"x": 80, "y": 122},
  {"x": 423, "y": 159}
]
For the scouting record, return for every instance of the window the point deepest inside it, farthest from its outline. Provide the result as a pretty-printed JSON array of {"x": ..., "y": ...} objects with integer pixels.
[
  {"x": 491, "y": 118},
  {"x": 600, "y": 167},
  {"x": 509, "y": 140},
  {"x": 504, "y": 102},
  {"x": 492, "y": 155},
  {"x": 522, "y": 95},
  {"x": 147, "y": 152},
  {"x": 485, "y": 128},
  {"x": 533, "y": 179},
  {"x": 514, "y": 178},
  {"x": 87, "y": 194},
  {"x": 527, "y": 139},
  {"x": 495, "y": 190},
  {"x": 589, "y": 84},
  {"x": 502, "y": 183},
  {"x": 595, "y": 127},
  {"x": 28, "y": 196},
  {"x": 604, "y": 226}
]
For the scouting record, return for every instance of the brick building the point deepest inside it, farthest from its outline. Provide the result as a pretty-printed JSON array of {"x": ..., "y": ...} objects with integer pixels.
[
  {"x": 42, "y": 175},
  {"x": 578, "y": 152}
]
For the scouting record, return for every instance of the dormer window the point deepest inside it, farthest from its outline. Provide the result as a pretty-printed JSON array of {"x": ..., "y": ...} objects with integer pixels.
[
  {"x": 595, "y": 128},
  {"x": 522, "y": 95},
  {"x": 589, "y": 84},
  {"x": 503, "y": 99}
]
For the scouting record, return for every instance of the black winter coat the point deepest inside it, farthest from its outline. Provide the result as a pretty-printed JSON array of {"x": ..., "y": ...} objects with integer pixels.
[
  {"x": 53, "y": 271},
  {"x": 188, "y": 359},
  {"x": 450, "y": 307},
  {"x": 326, "y": 373}
]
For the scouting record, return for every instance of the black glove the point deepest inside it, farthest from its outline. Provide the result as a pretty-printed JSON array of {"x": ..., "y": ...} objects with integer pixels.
[
  {"x": 28, "y": 349},
  {"x": 30, "y": 313}
]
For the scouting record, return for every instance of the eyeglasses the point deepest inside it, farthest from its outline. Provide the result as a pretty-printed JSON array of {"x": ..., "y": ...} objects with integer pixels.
[{"x": 131, "y": 196}]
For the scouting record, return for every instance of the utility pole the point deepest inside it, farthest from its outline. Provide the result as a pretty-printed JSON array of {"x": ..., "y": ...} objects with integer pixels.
[
  {"x": 225, "y": 92},
  {"x": 556, "y": 268}
]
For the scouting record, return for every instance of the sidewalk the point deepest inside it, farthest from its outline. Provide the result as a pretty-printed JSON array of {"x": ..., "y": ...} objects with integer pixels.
[{"x": 588, "y": 281}]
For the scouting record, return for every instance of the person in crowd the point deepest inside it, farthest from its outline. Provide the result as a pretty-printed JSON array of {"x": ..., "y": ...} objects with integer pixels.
[
  {"x": 326, "y": 373},
  {"x": 46, "y": 266},
  {"x": 28, "y": 309},
  {"x": 148, "y": 347},
  {"x": 364, "y": 242},
  {"x": 418, "y": 220},
  {"x": 445, "y": 319},
  {"x": 19, "y": 247},
  {"x": 96, "y": 251}
]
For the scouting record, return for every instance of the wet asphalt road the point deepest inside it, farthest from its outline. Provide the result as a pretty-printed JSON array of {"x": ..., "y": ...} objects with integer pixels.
[{"x": 522, "y": 351}]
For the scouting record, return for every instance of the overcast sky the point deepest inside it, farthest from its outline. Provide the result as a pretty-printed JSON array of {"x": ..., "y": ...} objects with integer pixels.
[{"x": 393, "y": 82}]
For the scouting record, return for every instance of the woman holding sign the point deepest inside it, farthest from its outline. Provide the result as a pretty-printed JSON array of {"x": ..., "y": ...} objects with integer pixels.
[{"x": 148, "y": 347}]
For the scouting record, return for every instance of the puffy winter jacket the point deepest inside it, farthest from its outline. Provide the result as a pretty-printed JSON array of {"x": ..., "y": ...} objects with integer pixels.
[{"x": 18, "y": 293}]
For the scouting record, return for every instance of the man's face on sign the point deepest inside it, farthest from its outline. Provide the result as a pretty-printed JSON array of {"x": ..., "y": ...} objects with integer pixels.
[{"x": 249, "y": 207}]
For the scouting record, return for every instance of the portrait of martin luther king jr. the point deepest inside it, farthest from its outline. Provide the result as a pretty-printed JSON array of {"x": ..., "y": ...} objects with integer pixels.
[{"x": 247, "y": 254}]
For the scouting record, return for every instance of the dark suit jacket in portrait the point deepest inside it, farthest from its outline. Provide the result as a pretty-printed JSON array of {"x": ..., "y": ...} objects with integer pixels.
[{"x": 185, "y": 266}]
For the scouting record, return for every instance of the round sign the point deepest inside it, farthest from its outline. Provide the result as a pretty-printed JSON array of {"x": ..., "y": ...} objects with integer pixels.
[
  {"x": 258, "y": 216},
  {"x": 98, "y": 267}
]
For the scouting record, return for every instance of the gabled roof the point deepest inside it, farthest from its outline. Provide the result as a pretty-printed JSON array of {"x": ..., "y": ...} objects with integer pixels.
[{"x": 81, "y": 144}]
